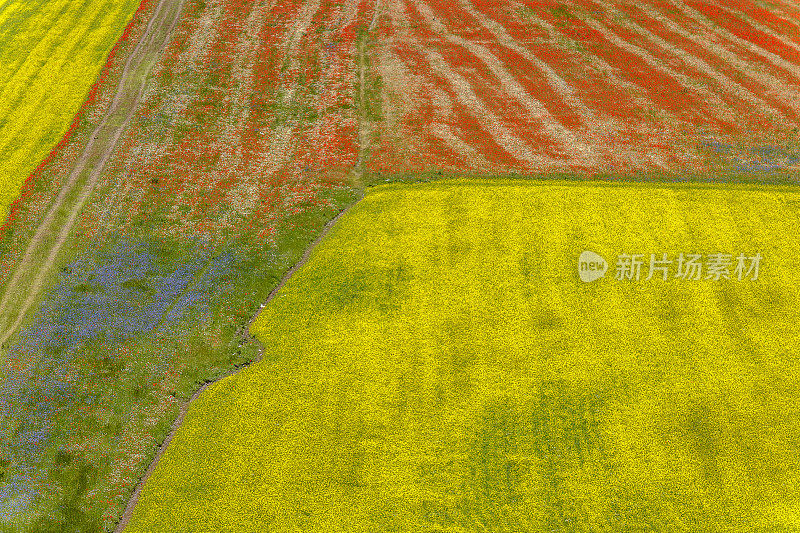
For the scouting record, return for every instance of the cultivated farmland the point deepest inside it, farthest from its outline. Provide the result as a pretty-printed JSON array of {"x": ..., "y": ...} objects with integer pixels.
[
  {"x": 438, "y": 366},
  {"x": 146, "y": 244},
  {"x": 51, "y": 52},
  {"x": 223, "y": 135},
  {"x": 609, "y": 85}
]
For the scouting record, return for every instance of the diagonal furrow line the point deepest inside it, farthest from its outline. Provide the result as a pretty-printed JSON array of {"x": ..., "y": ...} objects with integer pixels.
[
  {"x": 720, "y": 107},
  {"x": 558, "y": 84},
  {"x": 790, "y": 14},
  {"x": 490, "y": 122},
  {"x": 166, "y": 13},
  {"x": 726, "y": 84},
  {"x": 771, "y": 57},
  {"x": 518, "y": 150},
  {"x": 441, "y": 130},
  {"x": 779, "y": 89},
  {"x": 712, "y": 54},
  {"x": 553, "y": 127},
  {"x": 599, "y": 128},
  {"x": 788, "y": 9},
  {"x": 636, "y": 93},
  {"x": 751, "y": 20},
  {"x": 397, "y": 73}
]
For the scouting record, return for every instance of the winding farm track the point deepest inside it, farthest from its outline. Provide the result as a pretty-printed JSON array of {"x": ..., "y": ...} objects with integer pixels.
[
  {"x": 52, "y": 233},
  {"x": 126, "y": 516}
]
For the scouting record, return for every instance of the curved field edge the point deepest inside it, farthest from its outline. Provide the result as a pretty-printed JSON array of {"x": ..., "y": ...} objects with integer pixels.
[
  {"x": 41, "y": 96},
  {"x": 86, "y": 410},
  {"x": 437, "y": 365},
  {"x": 247, "y": 344},
  {"x": 184, "y": 322}
]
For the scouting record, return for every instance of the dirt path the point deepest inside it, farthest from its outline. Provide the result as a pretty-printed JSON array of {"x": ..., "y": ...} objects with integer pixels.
[
  {"x": 245, "y": 332},
  {"x": 55, "y": 228}
]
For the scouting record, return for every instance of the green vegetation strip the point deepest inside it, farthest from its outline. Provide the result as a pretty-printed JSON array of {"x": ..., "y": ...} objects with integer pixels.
[{"x": 438, "y": 366}]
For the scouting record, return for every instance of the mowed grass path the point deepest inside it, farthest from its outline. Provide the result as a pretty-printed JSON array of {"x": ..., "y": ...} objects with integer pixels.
[
  {"x": 51, "y": 52},
  {"x": 438, "y": 366}
]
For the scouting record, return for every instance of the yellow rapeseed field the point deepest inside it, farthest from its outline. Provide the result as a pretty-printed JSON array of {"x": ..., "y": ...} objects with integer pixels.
[
  {"x": 51, "y": 52},
  {"x": 438, "y": 365}
]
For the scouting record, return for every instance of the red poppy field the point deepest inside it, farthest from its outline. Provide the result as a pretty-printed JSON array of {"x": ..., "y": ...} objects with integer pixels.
[{"x": 606, "y": 86}]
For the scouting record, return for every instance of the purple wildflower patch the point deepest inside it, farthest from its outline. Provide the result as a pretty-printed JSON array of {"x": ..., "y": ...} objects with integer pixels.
[{"x": 108, "y": 298}]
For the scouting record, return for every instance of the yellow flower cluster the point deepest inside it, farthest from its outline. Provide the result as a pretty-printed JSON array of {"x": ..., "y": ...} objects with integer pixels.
[
  {"x": 50, "y": 55},
  {"x": 437, "y": 365}
]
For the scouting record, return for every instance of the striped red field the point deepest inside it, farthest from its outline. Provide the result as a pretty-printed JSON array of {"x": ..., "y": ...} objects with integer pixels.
[
  {"x": 591, "y": 85},
  {"x": 262, "y": 104}
]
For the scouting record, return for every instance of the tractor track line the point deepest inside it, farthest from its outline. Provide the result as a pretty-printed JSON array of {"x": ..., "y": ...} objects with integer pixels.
[
  {"x": 162, "y": 17},
  {"x": 245, "y": 333}
]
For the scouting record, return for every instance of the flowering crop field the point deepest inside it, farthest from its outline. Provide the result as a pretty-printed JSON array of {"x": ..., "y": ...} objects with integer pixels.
[
  {"x": 50, "y": 54},
  {"x": 437, "y": 365}
]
